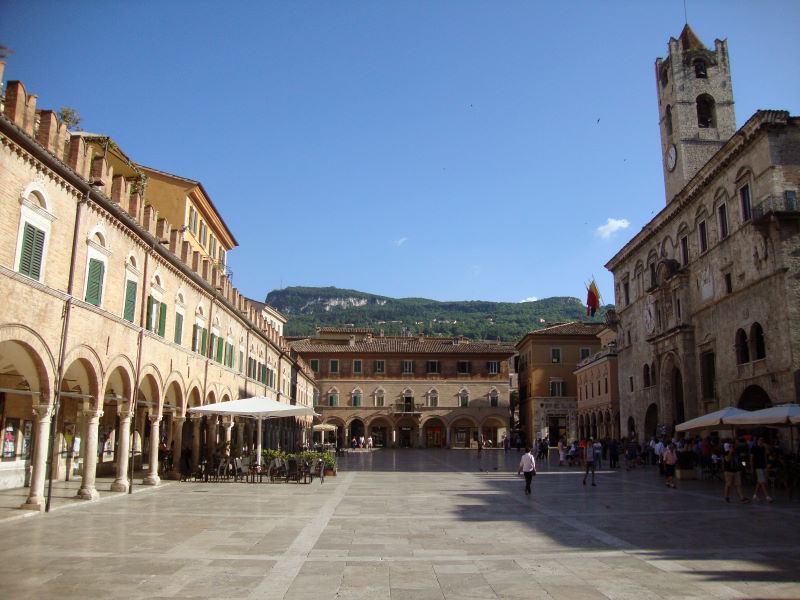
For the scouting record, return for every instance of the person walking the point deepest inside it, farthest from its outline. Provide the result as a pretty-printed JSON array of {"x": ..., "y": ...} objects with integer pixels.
[
  {"x": 733, "y": 475},
  {"x": 670, "y": 458},
  {"x": 758, "y": 467},
  {"x": 527, "y": 466},
  {"x": 589, "y": 457},
  {"x": 505, "y": 443},
  {"x": 562, "y": 450}
]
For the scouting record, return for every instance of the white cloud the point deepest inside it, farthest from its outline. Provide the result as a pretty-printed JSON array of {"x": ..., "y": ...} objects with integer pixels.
[
  {"x": 531, "y": 299},
  {"x": 400, "y": 242},
  {"x": 611, "y": 227}
]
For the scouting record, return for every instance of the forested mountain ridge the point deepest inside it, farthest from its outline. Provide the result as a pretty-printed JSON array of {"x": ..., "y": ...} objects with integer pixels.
[{"x": 309, "y": 307}]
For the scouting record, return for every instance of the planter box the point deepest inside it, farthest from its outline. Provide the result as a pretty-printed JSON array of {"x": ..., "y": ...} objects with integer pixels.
[
  {"x": 330, "y": 473},
  {"x": 686, "y": 473}
]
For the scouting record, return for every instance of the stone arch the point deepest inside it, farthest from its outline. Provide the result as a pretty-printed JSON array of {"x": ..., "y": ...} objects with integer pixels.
[
  {"x": 174, "y": 396},
  {"x": 193, "y": 397},
  {"x": 671, "y": 388},
  {"x": 35, "y": 192},
  {"x": 119, "y": 373},
  {"x": 754, "y": 398},
  {"x": 211, "y": 397},
  {"x": 225, "y": 395},
  {"x": 39, "y": 363},
  {"x": 650, "y": 422},
  {"x": 92, "y": 365},
  {"x": 152, "y": 371}
]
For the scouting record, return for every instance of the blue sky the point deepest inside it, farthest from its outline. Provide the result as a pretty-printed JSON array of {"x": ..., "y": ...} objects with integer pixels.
[{"x": 448, "y": 150}]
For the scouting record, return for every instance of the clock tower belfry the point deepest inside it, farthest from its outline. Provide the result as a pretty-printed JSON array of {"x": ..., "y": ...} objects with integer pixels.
[{"x": 695, "y": 107}]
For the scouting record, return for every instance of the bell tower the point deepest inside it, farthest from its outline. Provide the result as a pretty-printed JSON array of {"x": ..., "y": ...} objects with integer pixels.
[{"x": 695, "y": 107}]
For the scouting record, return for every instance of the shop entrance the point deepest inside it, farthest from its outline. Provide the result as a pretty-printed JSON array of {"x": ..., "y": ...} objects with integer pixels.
[{"x": 404, "y": 437}]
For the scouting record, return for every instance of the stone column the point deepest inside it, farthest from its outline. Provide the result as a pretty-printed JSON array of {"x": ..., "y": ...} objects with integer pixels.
[
  {"x": 87, "y": 490},
  {"x": 152, "y": 477},
  {"x": 197, "y": 421},
  {"x": 227, "y": 424},
  {"x": 35, "y": 500},
  {"x": 448, "y": 436},
  {"x": 240, "y": 435},
  {"x": 177, "y": 437},
  {"x": 419, "y": 444},
  {"x": 211, "y": 442},
  {"x": 123, "y": 450}
]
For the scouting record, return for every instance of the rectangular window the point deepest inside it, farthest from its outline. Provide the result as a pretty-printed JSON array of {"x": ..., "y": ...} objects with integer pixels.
[
  {"x": 314, "y": 364},
  {"x": 493, "y": 367},
  {"x": 129, "y": 313},
  {"x": 178, "y": 328},
  {"x": 701, "y": 228},
  {"x": 722, "y": 213},
  {"x": 463, "y": 400},
  {"x": 408, "y": 366},
  {"x": 193, "y": 220},
  {"x": 241, "y": 361},
  {"x": 30, "y": 260},
  {"x": 728, "y": 283},
  {"x": 356, "y": 366},
  {"x": 432, "y": 366},
  {"x": 744, "y": 197},
  {"x": 685, "y": 250},
  {"x": 220, "y": 341},
  {"x": 334, "y": 367},
  {"x": 464, "y": 366},
  {"x": 94, "y": 282},
  {"x": 585, "y": 353},
  {"x": 380, "y": 366},
  {"x": 212, "y": 246},
  {"x": 494, "y": 401},
  {"x": 222, "y": 256},
  {"x": 333, "y": 399},
  {"x": 203, "y": 340},
  {"x": 557, "y": 388},
  {"x": 630, "y": 382},
  {"x": 357, "y": 400},
  {"x": 203, "y": 234},
  {"x": 707, "y": 374},
  {"x": 162, "y": 319},
  {"x": 315, "y": 399},
  {"x": 652, "y": 274},
  {"x": 555, "y": 355},
  {"x": 379, "y": 400},
  {"x": 433, "y": 401},
  {"x": 626, "y": 292}
]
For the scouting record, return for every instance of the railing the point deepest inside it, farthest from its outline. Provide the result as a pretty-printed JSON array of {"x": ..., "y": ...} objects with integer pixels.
[{"x": 775, "y": 204}]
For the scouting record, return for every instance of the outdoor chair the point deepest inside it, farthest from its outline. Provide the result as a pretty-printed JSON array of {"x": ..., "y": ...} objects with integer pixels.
[
  {"x": 241, "y": 468},
  {"x": 292, "y": 470},
  {"x": 276, "y": 469},
  {"x": 319, "y": 470}
]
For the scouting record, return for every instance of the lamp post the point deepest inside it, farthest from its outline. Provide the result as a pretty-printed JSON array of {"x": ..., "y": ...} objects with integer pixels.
[{"x": 93, "y": 183}]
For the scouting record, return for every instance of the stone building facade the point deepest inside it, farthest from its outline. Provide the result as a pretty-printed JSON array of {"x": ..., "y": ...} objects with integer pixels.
[
  {"x": 598, "y": 390},
  {"x": 707, "y": 292},
  {"x": 111, "y": 318},
  {"x": 548, "y": 388},
  {"x": 407, "y": 392}
]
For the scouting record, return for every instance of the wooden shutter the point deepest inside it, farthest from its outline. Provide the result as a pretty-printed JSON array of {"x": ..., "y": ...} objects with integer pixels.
[
  {"x": 204, "y": 339},
  {"x": 94, "y": 283},
  {"x": 219, "y": 349},
  {"x": 178, "y": 328},
  {"x": 148, "y": 324},
  {"x": 162, "y": 319},
  {"x": 30, "y": 260},
  {"x": 130, "y": 300}
]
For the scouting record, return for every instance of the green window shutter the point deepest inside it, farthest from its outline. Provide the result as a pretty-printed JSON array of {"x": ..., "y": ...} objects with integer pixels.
[
  {"x": 94, "y": 284},
  {"x": 130, "y": 301},
  {"x": 241, "y": 360},
  {"x": 219, "y": 349},
  {"x": 178, "y": 327},
  {"x": 194, "y": 337},
  {"x": 30, "y": 260},
  {"x": 149, "y": 320},
  {"x": 162, "y": 319},
  {"x": 203, "y": 340}
]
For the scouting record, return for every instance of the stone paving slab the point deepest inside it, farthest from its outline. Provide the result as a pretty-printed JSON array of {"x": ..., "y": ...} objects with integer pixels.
[{"x": 406, "y": 524}]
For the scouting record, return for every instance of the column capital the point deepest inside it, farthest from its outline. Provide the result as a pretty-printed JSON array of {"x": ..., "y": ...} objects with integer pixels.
[
  {"x": 177, "y": 419},
  {"x": 92, "y": 413},
  {"x": 154, "y": 418},
  {"x": 196, "y": 418},
  {"x": 42, "y": 411},
  {"x": 124, "y": 413}
]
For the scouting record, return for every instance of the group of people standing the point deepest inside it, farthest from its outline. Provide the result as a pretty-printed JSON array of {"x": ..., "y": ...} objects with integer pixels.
[{"x": 360, "y": 442}]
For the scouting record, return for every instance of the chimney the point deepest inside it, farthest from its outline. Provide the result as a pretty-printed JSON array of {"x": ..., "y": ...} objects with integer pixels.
[
  {"x": 352, "y": 341},
  {"x": 421, "y": 337}
]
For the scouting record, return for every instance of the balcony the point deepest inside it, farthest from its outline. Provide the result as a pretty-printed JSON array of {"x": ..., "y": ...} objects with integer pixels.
[
  {"x": 776, "y": 205},
  {"x": 407, "y": 408}
]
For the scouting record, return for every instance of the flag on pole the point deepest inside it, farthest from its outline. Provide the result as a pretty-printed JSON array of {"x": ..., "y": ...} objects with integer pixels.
[{"x": 592, "y": 299}]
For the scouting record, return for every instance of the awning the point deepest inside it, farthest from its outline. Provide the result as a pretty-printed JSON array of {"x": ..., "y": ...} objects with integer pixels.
[
  {"x": 712, "y": 420},
  {"x": 325, "y": 427},
  {"x": 785, "y": 414},
  {"x": 256, "y": 407}
]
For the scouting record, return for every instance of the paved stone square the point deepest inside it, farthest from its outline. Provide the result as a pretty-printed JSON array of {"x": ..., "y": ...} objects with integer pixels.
[{"x": 416, "y": 524}]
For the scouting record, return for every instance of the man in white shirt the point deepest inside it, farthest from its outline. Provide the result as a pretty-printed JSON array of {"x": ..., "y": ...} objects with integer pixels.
[
  {"x": 590, "y": 456},
  {"x": 527, "y": 466}
]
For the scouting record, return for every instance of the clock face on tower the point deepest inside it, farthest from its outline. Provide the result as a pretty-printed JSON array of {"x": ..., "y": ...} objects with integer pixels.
[{"x": 672, "y": 157}]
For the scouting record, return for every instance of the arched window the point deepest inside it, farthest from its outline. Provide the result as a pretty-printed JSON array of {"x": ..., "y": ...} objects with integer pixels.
[
  {"x": 653, "y": 374},
  {"x": 706, "y": 117},
  {"x": 664, "y": 77},
  {"x": 700, "y": 68},
  {"x": 758, "y": 347},
  {"x": 742, "y": 350},
  {"x": 646, "y": 375},
  {"x": 668, "y": 120}
]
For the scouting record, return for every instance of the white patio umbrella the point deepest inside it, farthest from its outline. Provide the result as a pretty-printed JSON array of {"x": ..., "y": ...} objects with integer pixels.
[
  {"x": 783, "y": 414},
  {"x": 257, "y": 407},
  {"x": 711, "y": 420}
]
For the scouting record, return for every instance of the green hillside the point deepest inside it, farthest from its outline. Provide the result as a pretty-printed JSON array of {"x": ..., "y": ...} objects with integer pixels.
[{"x": 307, "y": 308}]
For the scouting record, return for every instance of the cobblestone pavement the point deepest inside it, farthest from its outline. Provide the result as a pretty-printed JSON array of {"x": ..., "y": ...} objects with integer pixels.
[{"x": 410, "y": 524}]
